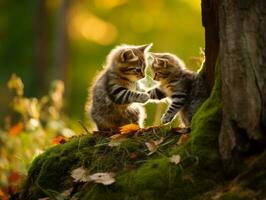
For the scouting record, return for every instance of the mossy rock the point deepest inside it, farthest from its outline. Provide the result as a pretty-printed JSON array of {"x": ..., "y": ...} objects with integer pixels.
[{"x": 141, "y": 176}]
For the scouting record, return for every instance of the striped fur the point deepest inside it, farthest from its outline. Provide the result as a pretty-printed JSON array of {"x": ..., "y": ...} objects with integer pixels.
[
  {"x": 112, "y": 96},
  {"x": 175, "y": 83}
]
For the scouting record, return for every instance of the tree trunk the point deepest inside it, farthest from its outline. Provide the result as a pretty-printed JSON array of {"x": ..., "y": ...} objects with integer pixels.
[
  {"x": 41, "y": 46},
  {"x": 242, "y": 28},
  {"x": 62, "y": 41},
  {"x": 210, "y": 23}
]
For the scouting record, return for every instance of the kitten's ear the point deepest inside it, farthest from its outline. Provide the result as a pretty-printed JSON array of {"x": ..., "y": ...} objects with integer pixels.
[
  {"x": 162, "y": 62},
  {"x": 145, "y": 47},
  {"x": 128, "y": 55}
]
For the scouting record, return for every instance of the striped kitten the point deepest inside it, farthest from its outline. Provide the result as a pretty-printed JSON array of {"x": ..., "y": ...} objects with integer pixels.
[
  {"x": 185, "y": 89},
  {"x": 111, "y": 97}
]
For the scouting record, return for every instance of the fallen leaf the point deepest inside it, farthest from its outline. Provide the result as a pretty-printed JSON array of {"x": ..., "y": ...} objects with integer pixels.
[
  {"x": 175, "y": 159},
  {"x": 16, "y": 129},
  {"x": 157, "y": 142},
  {"x": 59, "y": 140},
  {"x": 152, "y": 145},
  {"x": 133, "y": 156},
  {"x": 103, "y": 178},
  {"x": 116, "y": 140},
  {"x": 129, "y": 129},
  {"x": 80, "y": 175},
  {"x": 182, "y": 139}
]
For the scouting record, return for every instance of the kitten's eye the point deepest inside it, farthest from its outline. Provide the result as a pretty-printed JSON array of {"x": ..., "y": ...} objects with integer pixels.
[{"x": 138, "y": 70}]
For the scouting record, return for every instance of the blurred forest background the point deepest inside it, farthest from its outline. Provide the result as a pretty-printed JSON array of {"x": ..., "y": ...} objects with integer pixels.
[
  {"x": 68, "y": 40},
  {"x": 44, "y": 40}
]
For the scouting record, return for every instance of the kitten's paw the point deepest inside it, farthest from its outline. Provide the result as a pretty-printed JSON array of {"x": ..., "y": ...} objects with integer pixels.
[
  {"x": 166, "y": 118},
  {"x": 143, "y": 98}
]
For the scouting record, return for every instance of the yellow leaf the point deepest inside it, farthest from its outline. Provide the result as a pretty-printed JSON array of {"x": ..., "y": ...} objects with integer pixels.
[{"x": 129, "y": 129}]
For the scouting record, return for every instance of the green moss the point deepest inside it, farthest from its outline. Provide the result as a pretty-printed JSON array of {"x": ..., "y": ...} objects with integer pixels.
[
  {"x": 50, "y": 171},
  {"x": 235, "y": 196},
  {"x": 205, "y": 128},
  {"x": 144, "y": 177}
]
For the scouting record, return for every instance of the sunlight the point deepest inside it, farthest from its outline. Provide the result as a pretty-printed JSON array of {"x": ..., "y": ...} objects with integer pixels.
[
  {"x": 142, "y": 22},
  {"x": 108, "y": 4},
  {"x": 195, "y": 4},
  {"x": 92, "y": 28}
]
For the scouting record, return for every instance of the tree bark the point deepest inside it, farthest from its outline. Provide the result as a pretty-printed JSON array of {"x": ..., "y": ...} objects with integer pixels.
[
  {"x": 242, "y": 28},
  {"x": 62, "y": 41},
  {"x": 41, "y": 46},
  {"x": 210, "y": 23}
]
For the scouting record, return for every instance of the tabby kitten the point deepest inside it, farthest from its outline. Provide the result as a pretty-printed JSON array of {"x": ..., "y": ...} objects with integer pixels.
[
  {"x": 111, "y": 97},
  {"x": 185, "y": 89}
]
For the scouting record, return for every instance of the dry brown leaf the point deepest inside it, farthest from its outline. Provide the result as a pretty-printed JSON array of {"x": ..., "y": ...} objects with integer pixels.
[
  {"x": 133, "y": 156},
  {"x": 59, "y": 140},
  {"x": 183, "y": 139},
  {"x": 157, "y": 142},
  {"x": 175, "y": 159},
  {"x": 103, "y": 178},
  {"x": 80, "y": 175},
  {"x": 129, "y": 129},
  {"x": 152, "y": 145}
]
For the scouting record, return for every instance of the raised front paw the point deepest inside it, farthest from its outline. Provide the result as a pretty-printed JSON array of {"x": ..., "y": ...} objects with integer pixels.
[
  {"x": 166, "y": 118},
  {"x": 143, "y": 97}
]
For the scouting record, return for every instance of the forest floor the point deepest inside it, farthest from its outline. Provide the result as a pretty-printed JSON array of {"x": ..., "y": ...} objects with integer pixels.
[{"x": 146, "y": 164}]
